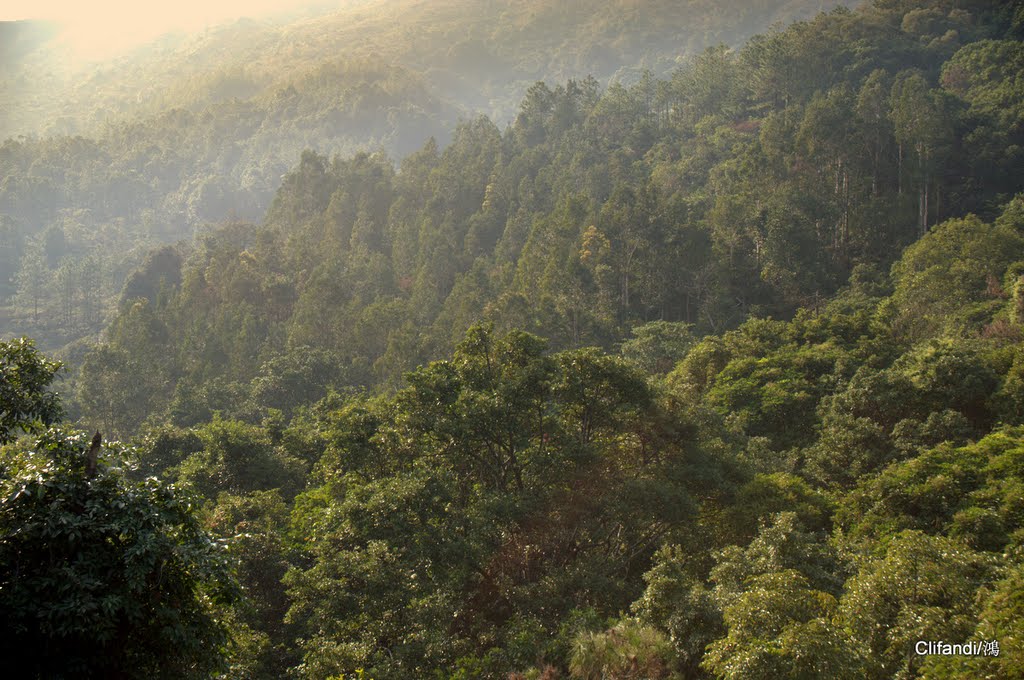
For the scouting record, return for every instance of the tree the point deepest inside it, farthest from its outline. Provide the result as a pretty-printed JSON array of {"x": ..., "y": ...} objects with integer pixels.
[
  {"x": 257, "y": 522},
  {"x": 922, "y": 122},
  {"x": 67, "y": 284},
  {"x": 162, "y": 268},
  {"x": 629, "y": 651},
  {"x": 112, "y": 390},
  {"x": 873, "y": 123},
  {"x": 598, "y": 394},
  {"x": 103, "y": 577},
  {"x": 534, "y": 114},
  {"x": 1001, "y": 619},
  {"x": 12, "y": 244},
  {"x": 239, "y": 458},
  {"x": 824, "y": 137},
  {"x": 780, "y": 628},
  {"x": 985, "y": 75},
  {"x": 782, "y": 546},
  {"x": 26, "y": 403},
  {"x": 32, "y": 276},
  {"x": 99, "y": 576},
  {"x": 628, "y": 222},
  {"x": 488, "y": 406},
  {"x": 90, "y": 288},
  {"x": 921, "y": 588},
  {"x": 657, "y": 346},
  {"x": 677, "y": 602},
  {"x": 939, "y": 276}
]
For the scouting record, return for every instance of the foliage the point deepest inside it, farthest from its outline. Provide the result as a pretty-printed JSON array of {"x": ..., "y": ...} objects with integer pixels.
[
  {"x": 236, "y": 457},
  {"x": 102, "y": 576},
  {"x": 26, "y": 403},
  {"x": 124, "y": 155},
  {"x": 714, "y": 372},
  {"x": 657, "y": 346},
  {"x": 919, "y": 588},
  {"x": 678, "y": 602},
  {"x": 780, "y": 627},
  {"x": 628, "y": 650}
]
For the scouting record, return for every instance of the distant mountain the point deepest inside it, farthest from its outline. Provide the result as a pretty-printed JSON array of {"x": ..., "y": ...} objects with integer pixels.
[
  {"x": 18, "y": 38},
  {"x": 480, "y": 54}
]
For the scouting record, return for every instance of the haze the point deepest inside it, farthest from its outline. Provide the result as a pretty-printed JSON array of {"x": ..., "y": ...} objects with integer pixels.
[{"x": 105, "y": 28}]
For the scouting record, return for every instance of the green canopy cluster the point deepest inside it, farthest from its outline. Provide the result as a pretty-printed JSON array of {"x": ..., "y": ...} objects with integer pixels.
[{"x": 714, "y": 376}]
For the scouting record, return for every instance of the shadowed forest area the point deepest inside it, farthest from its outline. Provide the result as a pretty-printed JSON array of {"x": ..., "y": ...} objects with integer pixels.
[{"x": 521, "y": 341}]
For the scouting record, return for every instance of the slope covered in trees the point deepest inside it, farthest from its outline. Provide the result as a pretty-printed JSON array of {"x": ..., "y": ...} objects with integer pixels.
[
  {"x": 110, "y": 159},
  {"x": 481, "y": 54},
  {"x": 803, "y": 498},
  {"x": 733, "y": 189},
  {"x": 100, "y": 575},
  {"x": 719, "y": 375}
]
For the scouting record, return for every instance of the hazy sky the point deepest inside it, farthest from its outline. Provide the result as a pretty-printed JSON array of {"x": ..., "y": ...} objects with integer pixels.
[{"x": 98, "y": 28}]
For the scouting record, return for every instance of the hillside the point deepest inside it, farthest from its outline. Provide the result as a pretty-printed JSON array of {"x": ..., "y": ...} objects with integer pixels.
[
  {"x": 732, "y": 189},
  {"x": 145, "y": 148},
  {"x": 480, "y": 54},
  {"x": 716, "y": 374}
]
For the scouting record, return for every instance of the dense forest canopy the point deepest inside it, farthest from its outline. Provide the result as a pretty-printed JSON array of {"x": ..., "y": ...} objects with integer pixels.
[
  {"x": 107, "y": 160},
  {"x": 729, "y": 190},
  {"x": 711, "y": 371}
]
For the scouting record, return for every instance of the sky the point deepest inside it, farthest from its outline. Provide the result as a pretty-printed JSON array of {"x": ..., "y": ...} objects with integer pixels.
[{"x": 96, "y": 29}]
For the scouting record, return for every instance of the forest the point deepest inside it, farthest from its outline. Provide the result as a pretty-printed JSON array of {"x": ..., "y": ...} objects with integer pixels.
[
  {"x": 704, "y": 360},
  {"x": 104, "y": 162}
]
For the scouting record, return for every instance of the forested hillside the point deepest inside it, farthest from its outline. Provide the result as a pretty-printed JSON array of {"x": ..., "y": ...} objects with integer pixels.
[
  {"x": 717, "y": 374},
  {"x": 751, "y": 183},
  {"x": 481, "y": 54},
  {"x": 145, "y": 149}
]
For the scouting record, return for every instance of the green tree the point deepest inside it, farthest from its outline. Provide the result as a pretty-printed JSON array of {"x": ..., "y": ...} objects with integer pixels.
[
  {"x": 677, "y": 602},
  {"x": 825, "y": 137},
  {"x": 944, "y": 274},
  {"x": 32, "y": 277},
  {"x": 1001, "y": 619},
  {"x": 12, "y": 245},
  {"x": 26, "y": 402},
  {"x": 66, "y": 278},
  {"x": 112, "y": 390},
  {"x": 919, "y": 588},
  {"x": 780, "y": 627},
  {"x": 873, "y": 124},
  {"x": 922, "y": 122},
  {"x": 984, "y": 75},
  {"x": 237, "y": 457},
  {"x": 782, "y": 545},
  {"x": 628, "y": 651},
  {"x": 256, "y": 523},
  {"x": 103, "y": 577},
  {"x": 658, "y": 345}
]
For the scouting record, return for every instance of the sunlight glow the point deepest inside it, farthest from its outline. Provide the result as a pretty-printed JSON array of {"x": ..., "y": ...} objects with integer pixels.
[{"x": 103, "y": 28}]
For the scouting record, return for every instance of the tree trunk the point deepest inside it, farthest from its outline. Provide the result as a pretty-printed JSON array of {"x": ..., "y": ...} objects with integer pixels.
[
  {"x": 846, "y": 216},
  {"x": 921, "y": 211},
  {"x": 899, "y": 171},
  {"x": 925, "y": 215}
]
